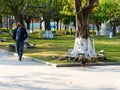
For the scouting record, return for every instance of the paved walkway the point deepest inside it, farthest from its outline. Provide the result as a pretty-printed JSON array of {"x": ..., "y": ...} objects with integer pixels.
[{"x": 30, "y": 75}]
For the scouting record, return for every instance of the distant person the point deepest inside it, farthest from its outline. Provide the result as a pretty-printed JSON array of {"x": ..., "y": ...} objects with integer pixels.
[{"x": 19, "y": 35}]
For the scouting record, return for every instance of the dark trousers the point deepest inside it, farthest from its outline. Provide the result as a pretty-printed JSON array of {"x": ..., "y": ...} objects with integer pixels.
[{"x": 19, "y": 47}]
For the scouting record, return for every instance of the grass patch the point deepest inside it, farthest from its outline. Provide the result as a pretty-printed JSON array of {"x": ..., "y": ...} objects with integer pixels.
[{"x": 47, "y": 48}]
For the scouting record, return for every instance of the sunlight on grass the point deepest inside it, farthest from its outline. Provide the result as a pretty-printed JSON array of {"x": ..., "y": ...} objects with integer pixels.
[{"x": 47, "y": 48}]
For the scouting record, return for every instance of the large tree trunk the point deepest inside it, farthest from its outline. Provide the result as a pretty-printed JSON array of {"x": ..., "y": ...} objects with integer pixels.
[
  {"x": 60, "y": 25},
  {"x": 82, "y": 25},
  {"x": 28, "y": 25},
  {"x": 28, "y": 31},
  {"x": 48, "y": 32},
  {"x": 27, "y": 20},
  {"x": 10, "y": 24},
  {"x": 82, "y": 41},
  {"x": 98, "y": 29},
  {"x": 57, "y": 33},
  {"x": 40, "y": 31},
  {"x": 119, "y": 30},
  {"x": 66, "y": 28},
  {"x": 114, "y": 29},
  {"x": 0, "y": 23},
  {"x": 7, "y": 25},
  {"x": 57, "y": 25}
]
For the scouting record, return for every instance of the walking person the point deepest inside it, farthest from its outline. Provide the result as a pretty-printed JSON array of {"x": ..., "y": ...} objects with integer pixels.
[{"x": 19, "y": 35}]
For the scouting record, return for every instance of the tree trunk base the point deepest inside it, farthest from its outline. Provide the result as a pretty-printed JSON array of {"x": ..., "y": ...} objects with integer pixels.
[
  {"x": 105, "y": 28},
  {"x": 83, "y": 46},
  {"x": 48, "y": 34},
  {"x": 0, "y": 31},
  {"x": 57, "y": 33}
]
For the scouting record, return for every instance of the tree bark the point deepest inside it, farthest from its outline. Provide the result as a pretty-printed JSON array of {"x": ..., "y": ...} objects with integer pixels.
[
  {"x": 57, "y": 25},
  {"x": 40, "y": 30},
  {"x": 82, "y": 41},
  {"x": 114, "y": 29},
  {"x": 93, "y": 29},
  {"x": 98, "y": 28},
  {"x": 27, "y": 20},
  {"x": 65, "y": 27},
  {"x": 7, "y": 23},
  {"x": 60, "y": 25},
  {"x": 82, "y": 17},
  {"x": 46, "y": 18},
  {"x": 28, "y": 25},
  {"x": 48, "y": 32},
  {"x": 0, "y": 21},
  {"x": 57, "y": 33}
]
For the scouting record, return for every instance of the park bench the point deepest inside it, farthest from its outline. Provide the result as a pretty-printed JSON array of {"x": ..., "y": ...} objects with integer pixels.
[{"x": 12, "y": 47}]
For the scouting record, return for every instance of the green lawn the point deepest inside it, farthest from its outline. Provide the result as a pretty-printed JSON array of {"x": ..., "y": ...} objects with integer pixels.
[{"x": 47, "y": 48}]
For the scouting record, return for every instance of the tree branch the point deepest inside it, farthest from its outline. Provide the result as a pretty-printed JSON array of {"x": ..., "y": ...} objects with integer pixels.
[
  {"x": 41, "y": 6},
  {"x": 20, "y": 3},
  {"x": 80, "y": 10},
  {"x": 1, "y": 11},
  {"x": 90, "y": 6},
  {"x": 26, "y": 7},
  {"x": 52, "y": 5},
  {"x": 78, "y": 6},
  {"x": 8, "y": 4}
]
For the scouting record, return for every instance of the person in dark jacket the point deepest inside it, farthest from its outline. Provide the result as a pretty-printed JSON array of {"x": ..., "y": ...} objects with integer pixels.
[{"x": 19, "y": 35}]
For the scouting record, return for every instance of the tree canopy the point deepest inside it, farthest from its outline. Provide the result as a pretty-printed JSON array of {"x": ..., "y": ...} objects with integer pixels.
[{"x": 60, "y": 9}]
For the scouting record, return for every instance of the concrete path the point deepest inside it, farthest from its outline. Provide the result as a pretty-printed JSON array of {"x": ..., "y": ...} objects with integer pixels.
[{"x": 30, "y": 75}]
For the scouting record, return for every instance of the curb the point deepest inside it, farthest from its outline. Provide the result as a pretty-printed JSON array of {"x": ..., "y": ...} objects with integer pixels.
[
  {"x": 91, "y": 64},
  {"x": 42, "y": 62},
  {"x": 65, "y": 65},
  {"x": 71, "y": 65},
  {"x": 30, "y": 58},
  {"x": 74, "y": 65}
]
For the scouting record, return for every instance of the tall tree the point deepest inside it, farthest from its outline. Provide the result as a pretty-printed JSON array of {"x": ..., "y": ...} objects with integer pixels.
[
  {"x": 114, "y": 15},
  {"x": 18, "y": 8},
  {"x": 99, "y": 16},
  {"x": 68, "y": 13},
  {"x": 83, "y": 10},
  {"x": 57, "y": 16},
  {"x": 108, "y": 10},
  {"x": 46, "y": 8},
  {"x": 2, "y": 11}
]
